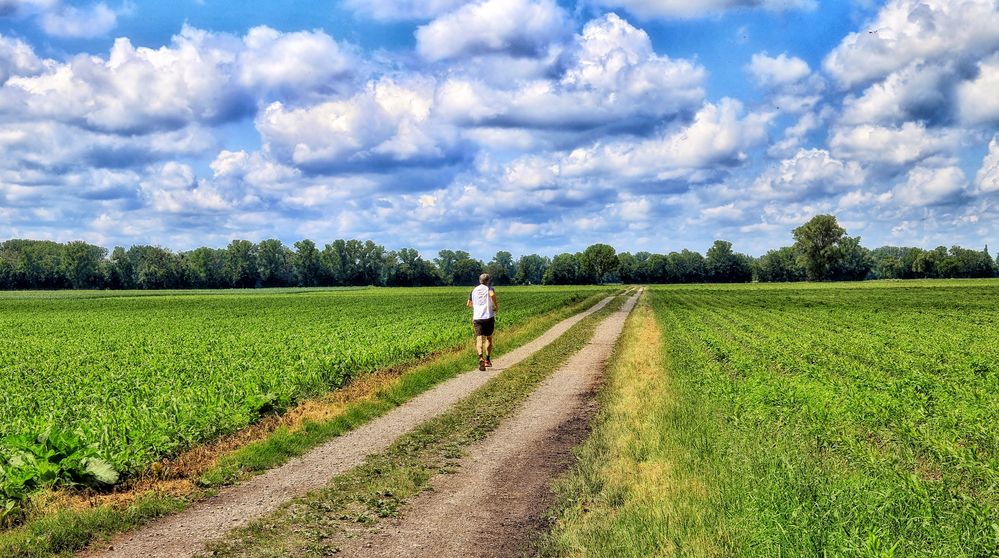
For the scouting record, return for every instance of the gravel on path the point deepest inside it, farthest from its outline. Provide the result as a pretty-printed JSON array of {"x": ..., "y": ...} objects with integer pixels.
[
  {"x": 495, "y": 504},
  {"x": 185, "y": 534}
]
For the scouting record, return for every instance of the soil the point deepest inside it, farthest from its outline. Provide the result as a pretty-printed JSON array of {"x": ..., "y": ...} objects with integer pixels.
[
  {"x": 185, "y": 534},
  {"x": 495, "y": 504}
]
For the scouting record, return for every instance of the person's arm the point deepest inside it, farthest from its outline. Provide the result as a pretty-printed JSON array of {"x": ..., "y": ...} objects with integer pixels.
[
  {"x": 468, "y": 303},
  {"x": 492, "y": 296}
]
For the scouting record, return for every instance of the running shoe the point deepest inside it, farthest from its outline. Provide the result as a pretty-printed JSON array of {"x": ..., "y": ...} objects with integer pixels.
[
  {"x": 489, "y": 363},
  {"x": 482, "y": 365}
]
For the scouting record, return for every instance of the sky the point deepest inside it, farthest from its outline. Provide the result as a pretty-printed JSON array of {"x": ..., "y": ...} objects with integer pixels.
[{"x": 521, "y": 125}]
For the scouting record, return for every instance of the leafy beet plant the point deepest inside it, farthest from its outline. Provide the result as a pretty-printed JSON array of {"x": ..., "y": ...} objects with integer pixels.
[{"x": 54, "y": 457}]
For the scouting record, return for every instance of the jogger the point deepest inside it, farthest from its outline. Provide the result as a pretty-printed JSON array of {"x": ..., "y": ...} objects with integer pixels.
[{"x": 482, "y": 301}]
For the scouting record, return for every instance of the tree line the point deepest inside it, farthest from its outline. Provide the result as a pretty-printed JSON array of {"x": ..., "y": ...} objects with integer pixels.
[{"x": 822, "y": 251}]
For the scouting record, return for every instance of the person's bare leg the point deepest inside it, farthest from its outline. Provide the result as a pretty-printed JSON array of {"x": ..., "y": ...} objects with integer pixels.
[
  {"x": 489, "y": 350},
  {"x": 480, "y": 345}
]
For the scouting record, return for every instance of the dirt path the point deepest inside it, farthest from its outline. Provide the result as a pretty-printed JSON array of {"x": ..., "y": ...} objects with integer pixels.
[
  {"x": 185, "y": 534},
  {"x": 494, "y": 505}
]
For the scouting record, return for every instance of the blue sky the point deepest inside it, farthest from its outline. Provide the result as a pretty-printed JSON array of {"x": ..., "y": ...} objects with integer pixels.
[{"x": 526, "y": 125}]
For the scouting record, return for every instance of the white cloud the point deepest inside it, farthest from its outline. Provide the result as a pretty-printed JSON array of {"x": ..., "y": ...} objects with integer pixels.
[
  {"x": 776, "y": 71},
  {"x": 795, "y": 134},
  {"x": 202, "y": 77},
  {"x": 902, "y": 145},
  {"x": 137, "y": 90},
  {"x": 914, "y": 91},
  {"x": 978, "y": 99},
  {"x": 294, "y": 63},
  {"x": 17, "y": 58},
  {"x": 809, "y": 173},
  {"x": 613, "y": 77},
  {"x": 987, "y": 178},
  {"x": 396, "y": 10},
  {"x": 930, "y": 186},
  {"x": 634, "y": 209},
  {"x": 906, "y": 31},
  {"x": 55, "y": 147},
  {"x": 515, "y": 27},
  {"x": 649, "y": 9},
  {"x": 727, "y": 212},
  {"x": 390, "y": 121},
  {"x": 717, "y": 138},
  {"x": 71, "y": 21},
  {"x": 863, "y": 199}
]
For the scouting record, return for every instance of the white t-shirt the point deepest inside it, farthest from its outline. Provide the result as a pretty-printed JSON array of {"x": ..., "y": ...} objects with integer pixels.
[{"x": 482, "y": 305}]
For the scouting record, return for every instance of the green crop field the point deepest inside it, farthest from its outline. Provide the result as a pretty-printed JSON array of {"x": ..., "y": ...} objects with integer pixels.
[
  {"x": 95, "y": 383},
  {"x": 797, "y": 420}
]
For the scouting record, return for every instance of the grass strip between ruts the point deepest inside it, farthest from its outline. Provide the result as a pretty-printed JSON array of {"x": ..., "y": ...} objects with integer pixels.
[
  {"x": 315, "y": 524},
  {"x": 627, "y": 496},
  {"x": 68, "y": 531}
]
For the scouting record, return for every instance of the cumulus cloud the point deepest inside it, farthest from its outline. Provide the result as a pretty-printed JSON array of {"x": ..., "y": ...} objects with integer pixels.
[
  {"x": 987, "y": 178},
  {"x": 202, "y": 77},
  {"x": 906, "y": 31},
  {"x": 776, "y": 71},
  {"x": 917, "y": 91},
  {"x": 926, "y": 186},
  {"x": 390, "y": 122},
  {"x": 612, "y": 77},
  {"x": 17, "y": 58},
  {"x": 810, "y": 172},
  {"x": 899, "y": 146},
  {"x": 671, "y": 9},
  {"x": 173, "y": 188},
  {"x": 294, "y": 64},
  {"x": 56, "y": 148},
  {"x": 396, "y": 10},
  {"x": 978, "y": 99},
  {"x": 718, "y": 137},
  {"x": 61, "y": 19},
  {"x": 515, "y": 27},
  {"x": 75, "y": 22}
]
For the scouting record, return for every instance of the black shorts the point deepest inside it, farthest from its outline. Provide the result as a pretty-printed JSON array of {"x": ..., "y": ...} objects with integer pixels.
[{"x": 484, "y": 327}]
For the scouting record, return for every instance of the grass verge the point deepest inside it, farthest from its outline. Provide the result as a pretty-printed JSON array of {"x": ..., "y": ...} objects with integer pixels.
[
  {"x": 315, "y": 525},
  {"x": 71, "y": 523},
  {"x": 629, "y": 495}
]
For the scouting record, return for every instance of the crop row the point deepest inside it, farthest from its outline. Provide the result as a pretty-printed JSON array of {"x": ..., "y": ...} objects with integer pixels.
[{"x": 846, "y": 421}]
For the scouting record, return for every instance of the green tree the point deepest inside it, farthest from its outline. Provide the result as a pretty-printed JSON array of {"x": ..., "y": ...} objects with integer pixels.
[
  {"x": 307, "y": 264},
  {"x": 204, "y": 268},
  {"x": 466, "y": 272},
  {"x": 597, "y": 261},
  {"x": 685, "y": 266},
  {"x": 118, "y": 271},
  {"x": 413, "y": 271},
  {"x": 817, "y": 243},
  {"x": 531, "y": 269},
  {"x": 779, "y": 265},
  {"x": 502, "y": 268},
  {"x": 723, "y": 265},
  {"x": 853, "y": 261},
  {"x": 240, "y": 269},
  {"x": 627, "y": 267},
  {"x": 564, "y": 270},
  {"x": 274, "y": 263},
  {"x": 156, "y": 267},
  {"x": 34, "y": 264},
  {"x": 447, "y": 261},
  {"x": 81, "y": 264}
]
